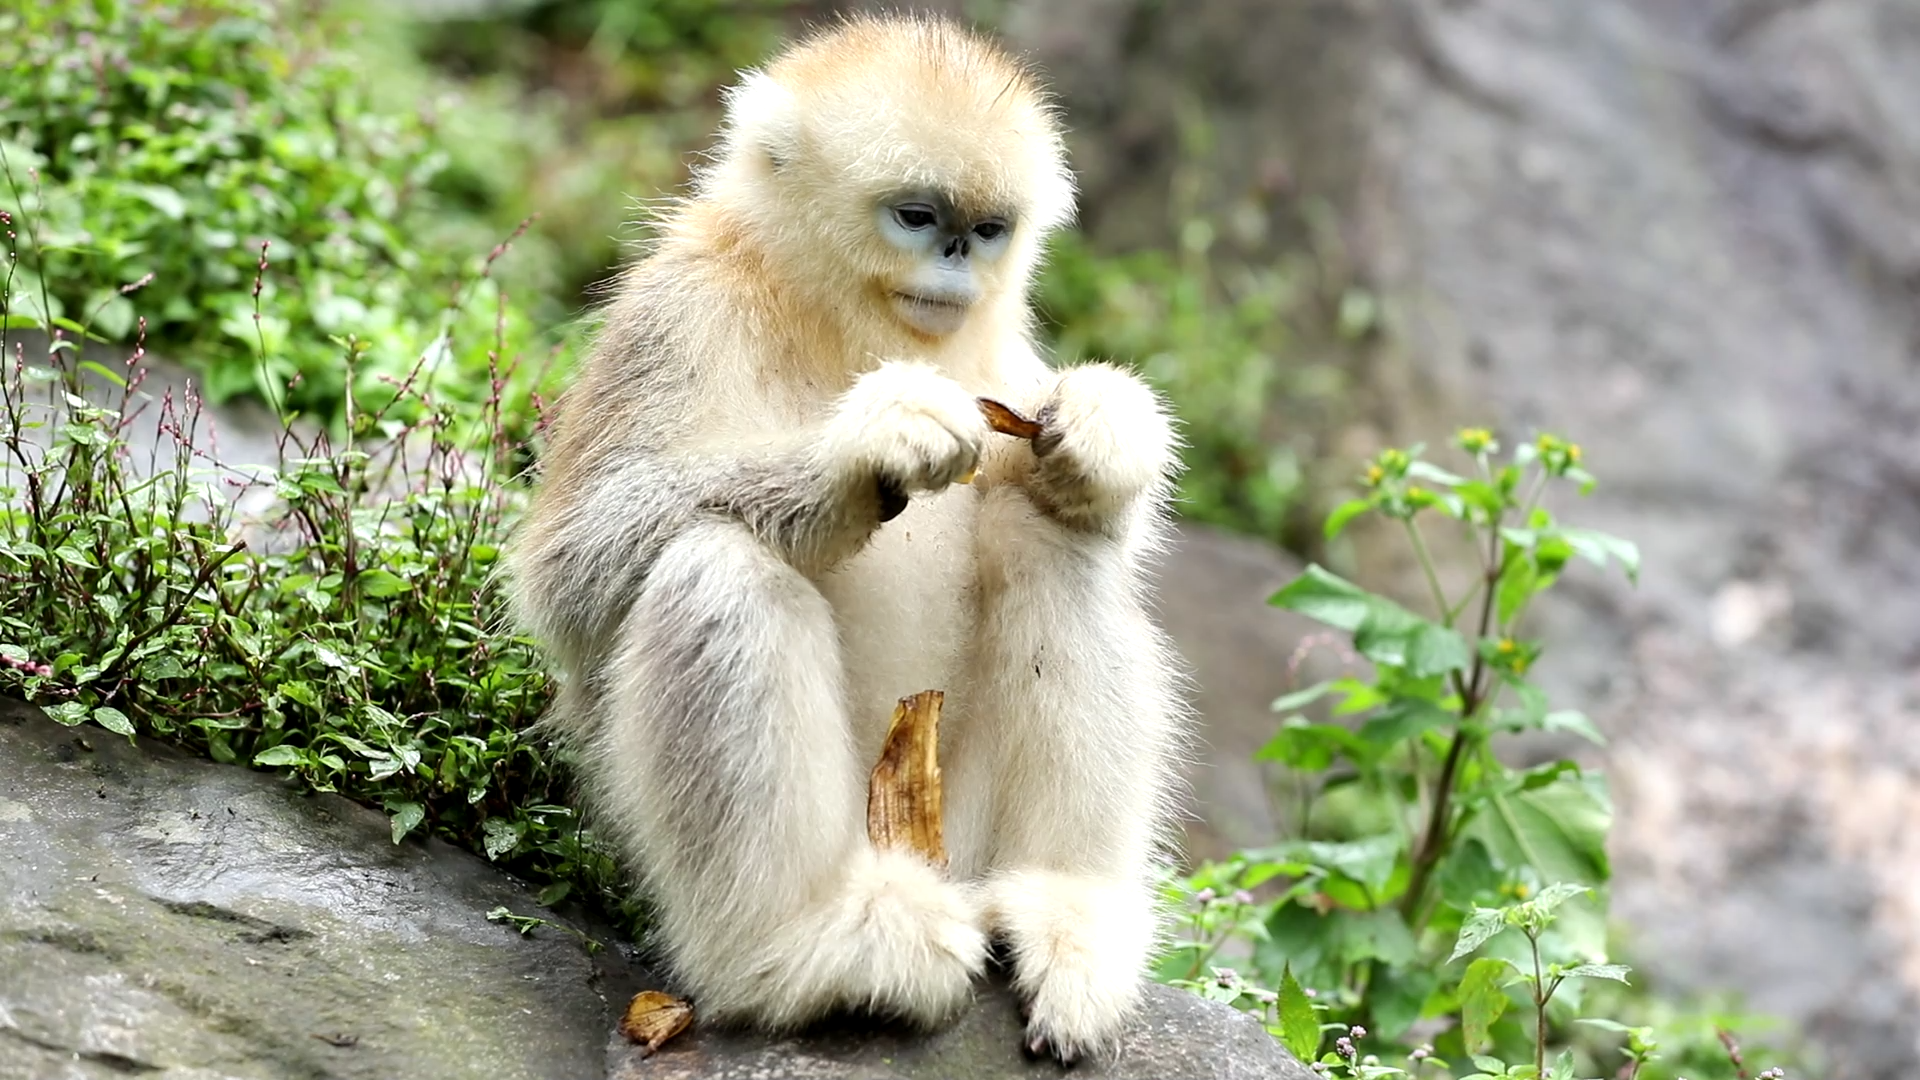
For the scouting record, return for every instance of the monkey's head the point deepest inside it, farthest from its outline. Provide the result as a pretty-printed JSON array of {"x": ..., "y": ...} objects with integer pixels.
[{"x": 908, "y": 161}]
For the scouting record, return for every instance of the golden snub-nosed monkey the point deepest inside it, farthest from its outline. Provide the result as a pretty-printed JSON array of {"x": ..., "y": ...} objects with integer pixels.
[{"x": 749, "y": 540}]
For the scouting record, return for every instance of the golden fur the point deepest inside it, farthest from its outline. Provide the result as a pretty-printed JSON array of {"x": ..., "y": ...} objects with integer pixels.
[{"x": 711, "y": 562}]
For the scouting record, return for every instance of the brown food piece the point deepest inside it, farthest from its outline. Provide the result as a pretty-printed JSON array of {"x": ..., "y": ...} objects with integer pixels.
[
  {"x": 1008, "y": 422},
  {"x": 903, "y": 794},
  {"x": 653, "y": 1017}
]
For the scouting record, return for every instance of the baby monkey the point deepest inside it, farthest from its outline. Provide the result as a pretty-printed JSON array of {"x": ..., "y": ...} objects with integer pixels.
[{"x": 749, "y": 540}]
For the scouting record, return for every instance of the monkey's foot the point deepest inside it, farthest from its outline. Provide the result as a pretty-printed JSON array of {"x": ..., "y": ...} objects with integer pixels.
[
  {"x": 1080, "y": 947},
  {"x": 909, "y": 942}
]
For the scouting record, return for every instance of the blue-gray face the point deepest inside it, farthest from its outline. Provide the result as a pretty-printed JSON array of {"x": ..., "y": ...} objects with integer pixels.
[{"x": 948, "y": 249}]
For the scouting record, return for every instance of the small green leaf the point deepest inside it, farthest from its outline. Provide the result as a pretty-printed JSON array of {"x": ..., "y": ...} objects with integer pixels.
[
  {"x": 1324, "y": 596},
  {"x": 283, "y": 754},
  {"x": 1519, "y": 580},
  {"x": 356, "y": 745},
  {"x": 406, "y": 817},
  {"x": 501, "y": 835},
  {"x": 1481, "y": 925},
  {"x": 1405, "y": 719},
  {"x": 69, "y": 713},
  {"x": 1369, "y": 861},
  {"x": 1563, "y": 1066},
  {"x": 1489, "y": 1065},
  {"x": 1395, "y": 637},
  {"x": 1538, "y": 912},
  {"x": 1482, "y": 1000},
  {"x": 1299, "y": 1023},
  {"x": 1344, "y": 514},
  {"x": 1434, "y": 474},
  {"x": 1597, "y": 546},
  {"x": 67, "y": 553},
  {"x": 1559, "y": 829},
  {"x": 113, "y": 720},
  {"x": 382, "y": 583},
  {"x": 105, "y": 372},
  {"x": 1300, "y": 698},
  {"x": 1482, "y": 497},
  {"x": 1311, "y": 747},
  {"x": 1616, "y": 972},
  {"x": 162, "y": 666}
]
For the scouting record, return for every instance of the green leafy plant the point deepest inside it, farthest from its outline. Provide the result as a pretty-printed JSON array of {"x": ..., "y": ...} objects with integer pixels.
[
  {"x": 329, "y": 617},
  {"x": 1435, "y": 894}
]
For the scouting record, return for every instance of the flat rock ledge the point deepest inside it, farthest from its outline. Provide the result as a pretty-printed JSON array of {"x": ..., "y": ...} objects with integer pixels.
[
  {"x": 164, "y": 916},
  {"x": 1180, "y": 1037}
]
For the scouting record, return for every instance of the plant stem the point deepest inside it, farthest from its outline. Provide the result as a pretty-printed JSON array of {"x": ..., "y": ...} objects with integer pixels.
[
  {"x": 1540, "y": 996},
  {"x": 1434, "y": 841},
  {"x": 1472, "y": 694},
  {"x": 1426, "y": 565}
]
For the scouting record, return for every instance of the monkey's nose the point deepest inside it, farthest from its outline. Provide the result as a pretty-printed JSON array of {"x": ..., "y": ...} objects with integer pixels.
[{"x": 957, "y": 246}]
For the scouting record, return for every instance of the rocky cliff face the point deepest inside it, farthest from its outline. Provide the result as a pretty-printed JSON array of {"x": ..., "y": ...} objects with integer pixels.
[{"x": 1687, "y": 233}]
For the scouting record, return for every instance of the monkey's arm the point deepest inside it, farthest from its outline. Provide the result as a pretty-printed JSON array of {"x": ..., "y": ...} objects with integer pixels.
[
  {"x": 814, "y": 495},
  {"x": 1069, "y": 664}
]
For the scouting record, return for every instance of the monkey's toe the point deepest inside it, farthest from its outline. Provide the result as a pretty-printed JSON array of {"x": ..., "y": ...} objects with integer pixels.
[{"x": 1038, "y": 1046}]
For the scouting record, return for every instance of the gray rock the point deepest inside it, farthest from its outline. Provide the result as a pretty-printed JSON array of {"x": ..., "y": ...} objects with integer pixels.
[
  {"x": 1182, "y": 1037},
  {"x": 163, "y": 915}
]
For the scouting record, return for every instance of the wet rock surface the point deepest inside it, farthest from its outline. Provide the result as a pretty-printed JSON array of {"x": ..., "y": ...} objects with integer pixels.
[
  {"x": 1179, "y": 1037},
  {"x": 162, "y": 915}
]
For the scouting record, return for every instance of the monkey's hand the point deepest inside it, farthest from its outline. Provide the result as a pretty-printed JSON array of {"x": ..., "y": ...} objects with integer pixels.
[
  {"x": 909, "y": 426},
  {"x": 1105, "y": 442}
]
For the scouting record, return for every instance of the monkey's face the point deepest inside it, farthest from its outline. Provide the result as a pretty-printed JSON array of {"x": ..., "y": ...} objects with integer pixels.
[{"x": 945, "y": 258}]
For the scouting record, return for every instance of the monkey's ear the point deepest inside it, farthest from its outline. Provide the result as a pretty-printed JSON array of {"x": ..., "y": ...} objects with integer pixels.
[{"x": 762, "y": 116}]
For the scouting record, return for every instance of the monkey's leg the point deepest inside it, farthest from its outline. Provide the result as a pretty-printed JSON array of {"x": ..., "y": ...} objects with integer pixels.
[
  {"x": 1076, "y": 717},
  {"x": 727, "y": 767}
]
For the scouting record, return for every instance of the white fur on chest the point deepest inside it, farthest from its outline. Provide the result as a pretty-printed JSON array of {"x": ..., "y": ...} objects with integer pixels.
[{"x": 904, "y": 606}]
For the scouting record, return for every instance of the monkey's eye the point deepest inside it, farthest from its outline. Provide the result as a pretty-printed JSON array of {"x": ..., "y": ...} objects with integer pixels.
[
  {"x": 990, "y": 230},
  {"x": 915, "y": 217}
]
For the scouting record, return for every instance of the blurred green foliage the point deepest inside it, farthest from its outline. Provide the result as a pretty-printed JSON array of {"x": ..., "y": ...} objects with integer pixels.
[
  {"x": 380, "y": 152},
  {"x": 157, "y": 147}
]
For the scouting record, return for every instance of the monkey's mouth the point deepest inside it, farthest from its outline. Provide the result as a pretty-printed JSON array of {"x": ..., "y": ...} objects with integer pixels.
[{"x": 930, "y": 315}]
